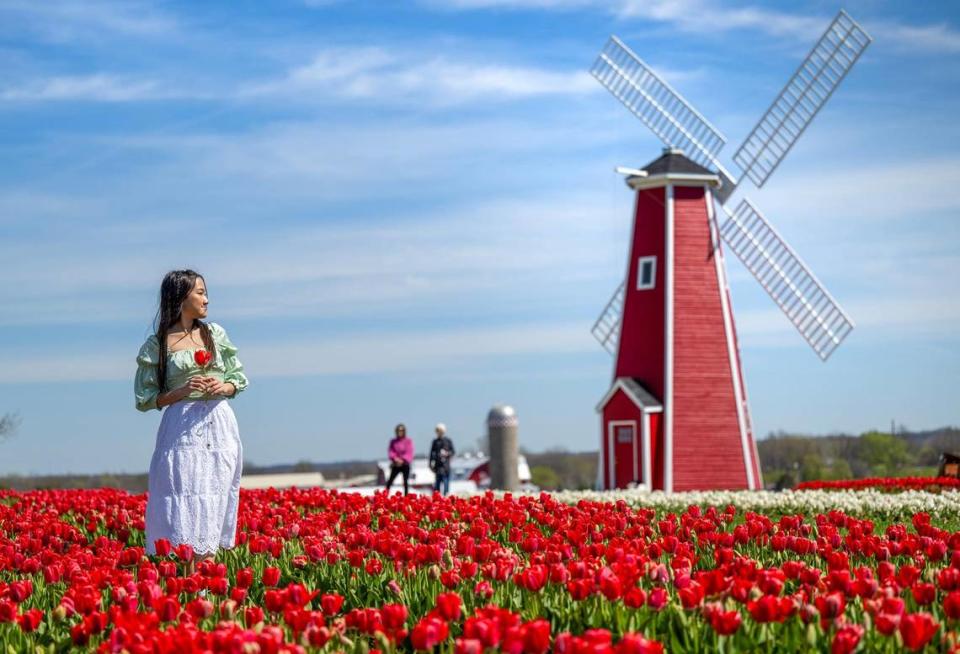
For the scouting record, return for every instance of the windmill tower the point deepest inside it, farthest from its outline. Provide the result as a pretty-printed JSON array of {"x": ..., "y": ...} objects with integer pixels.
[{"x": 676, "y": 415}]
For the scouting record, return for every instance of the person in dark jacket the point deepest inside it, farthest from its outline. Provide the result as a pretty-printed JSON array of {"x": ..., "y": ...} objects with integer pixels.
[{"x": 441, "y": 451}]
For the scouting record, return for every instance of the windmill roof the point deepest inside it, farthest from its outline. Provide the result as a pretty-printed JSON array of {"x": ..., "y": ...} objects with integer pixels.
[
  {"x": 674, "y": 162},
  {"x": 636, "y": 391}
]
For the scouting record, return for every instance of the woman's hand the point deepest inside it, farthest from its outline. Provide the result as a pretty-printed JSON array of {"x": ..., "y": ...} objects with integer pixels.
[
  {"x": 194, "y": 384},
  {"x": 217, "y": 387},
  {"x": 182, "y": 392}
]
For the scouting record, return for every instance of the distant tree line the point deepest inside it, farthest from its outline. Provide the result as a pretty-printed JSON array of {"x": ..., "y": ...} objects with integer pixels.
[{"x": 787, "y": 459}]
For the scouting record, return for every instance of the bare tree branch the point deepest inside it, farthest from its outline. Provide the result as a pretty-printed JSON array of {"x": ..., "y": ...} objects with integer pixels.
[{"x": 8, "y": 425}]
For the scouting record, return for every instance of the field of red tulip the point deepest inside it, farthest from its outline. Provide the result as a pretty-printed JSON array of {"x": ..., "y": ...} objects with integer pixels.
[
  {"x": 318, "y": 570},
  {"x": 890, "y": 484}
]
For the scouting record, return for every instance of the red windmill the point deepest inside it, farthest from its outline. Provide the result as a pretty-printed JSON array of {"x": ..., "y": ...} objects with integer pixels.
[{"x": 676, "y": 415}]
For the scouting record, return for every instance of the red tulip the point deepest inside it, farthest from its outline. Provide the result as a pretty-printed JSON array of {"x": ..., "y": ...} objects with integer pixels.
[
  {"x": 79, "y": 634},
  {"x": 244, "y": 578},
  {"x": 770, "y": 609},
  {"x": 20, "y": 590},
  {"x": 374, "y": 566},
  {"x": 8, "y": 611},
  {"x": 924, "y": 594},
  {"x": 637, "y": 644},
  {"x": 184, "y": 552},
  {"x": 830, "y": 607},
  {"x": 52, "y": 573},
  {"x": 449, "y": 605},
  {"x": 317, "y": 636},
  {"x": 536, "y": 637},
  {"x": 274, "y": 600},
  {"x": 30, "y": 620},
  {"x": 951, "y": 605},
  {"x": 533, "y": 578},
  {"x": 200, "y": 608},
  {"x": 428, "y": 633},
  {"x": 394, "y": 616},
  {"x": 202, "y": 357},
  {"x": 331, "y": 603},
  {"x": 635, "y": 598},
  {"x": 691, "y": 596},
  {"x": 167, "y": 608},
  {"x": 162, "y": 546},
  {"x": 485, "y": 630},
  {"x": 917, "y": 630},
  {"x": 218, "y": 585},
  {"x": 580, "y": 589},
  {"x": 271, "y": 576},
  {"x": 846, "y": 639},
  {"x": 657, "y": 598},
  {"x": 467, "y": 646},
  {"x": 887, "y": 623},
  {"x": 723, "y": 622},
  {"x": 252, "y": 615}
]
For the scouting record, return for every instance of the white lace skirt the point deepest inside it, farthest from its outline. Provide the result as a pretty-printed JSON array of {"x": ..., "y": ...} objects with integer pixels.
[{"x": 194, "y": 485}]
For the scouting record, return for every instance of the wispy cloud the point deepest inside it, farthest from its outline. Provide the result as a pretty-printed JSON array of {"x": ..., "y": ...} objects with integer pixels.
[
  {"x": 864, "y": 192},
  {"x": 370, "y": 73},
  {"x": 382, "y": 351},
  {"x": 86, "y": 20},
  {"x": 939, "y": 38},
  {"x": 883, "y": 319},
  {"x": 460, "y": 255},
  {"x": 704, "y": 16},
  {"x": 100, "y": 87}
]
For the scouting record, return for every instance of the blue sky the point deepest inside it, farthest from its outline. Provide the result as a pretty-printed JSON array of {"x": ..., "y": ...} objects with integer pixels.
[{"x": 408, "y": 212}]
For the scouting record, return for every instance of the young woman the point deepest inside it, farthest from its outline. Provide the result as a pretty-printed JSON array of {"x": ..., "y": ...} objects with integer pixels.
[
  {"x": 400, "y": 452},
  {"x": 191, "y": 367}
]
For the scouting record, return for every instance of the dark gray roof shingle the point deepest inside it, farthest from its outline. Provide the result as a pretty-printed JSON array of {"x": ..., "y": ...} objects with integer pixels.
[{"x": 675, "y": 162}]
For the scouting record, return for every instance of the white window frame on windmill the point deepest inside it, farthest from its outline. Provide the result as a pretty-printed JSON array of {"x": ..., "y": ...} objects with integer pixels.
[{"x": 652, "y": 282}]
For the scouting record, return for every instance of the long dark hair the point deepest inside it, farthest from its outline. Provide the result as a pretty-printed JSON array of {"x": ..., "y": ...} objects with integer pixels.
[{"x": 174, "y": 289}]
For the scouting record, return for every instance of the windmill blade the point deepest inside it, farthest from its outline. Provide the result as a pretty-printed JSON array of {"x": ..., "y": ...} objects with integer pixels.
[
  {"x": 804, "y": 95},
  {"x": 653, "y": 101},
  {"x": 607, "y": 328},
  {"x": 781, "y": 273}
]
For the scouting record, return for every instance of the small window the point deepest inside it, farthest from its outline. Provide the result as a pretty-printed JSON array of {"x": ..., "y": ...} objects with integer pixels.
[
  {"x": 646, "y": 273},
  {"x": 625, "y": 435}
]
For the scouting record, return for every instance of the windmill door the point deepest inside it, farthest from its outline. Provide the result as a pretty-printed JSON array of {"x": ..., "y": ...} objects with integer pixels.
[{"x": 624, "y": 442}]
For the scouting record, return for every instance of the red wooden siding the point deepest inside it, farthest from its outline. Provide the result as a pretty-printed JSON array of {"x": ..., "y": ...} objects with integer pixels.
[
  {"x": 641, "y": 353},
  {"x": 620, "y": 407},
  {"x": 707, "y": 447},
  {"x": 751, "y": 444}
]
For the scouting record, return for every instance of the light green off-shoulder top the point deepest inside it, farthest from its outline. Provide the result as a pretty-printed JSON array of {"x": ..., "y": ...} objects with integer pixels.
[{"x": 181, "y": 367}]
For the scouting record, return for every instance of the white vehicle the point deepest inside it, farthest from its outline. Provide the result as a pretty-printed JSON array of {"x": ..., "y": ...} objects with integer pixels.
[{"x": 468, "y": 472}]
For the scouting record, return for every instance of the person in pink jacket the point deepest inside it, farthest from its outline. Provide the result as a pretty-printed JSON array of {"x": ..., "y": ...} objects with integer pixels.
[{"x": 401, "y": 454}]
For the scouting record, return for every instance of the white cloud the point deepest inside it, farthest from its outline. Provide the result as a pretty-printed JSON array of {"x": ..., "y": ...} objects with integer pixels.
[
  {"x": 369, "y": 73},
  {"x": 466, "y": 254},
  {"x": 891, "y": 318},
  {"x": 930, "y": 38},
  {"x": 705, "y": 16},
  {"x": 68, "y": 20},
  {"x": 100, "y": 87},
  {"x": 864, "y": 192},
  {"x": 509, "y": 4},
  {"x": 382, "y": 351}
]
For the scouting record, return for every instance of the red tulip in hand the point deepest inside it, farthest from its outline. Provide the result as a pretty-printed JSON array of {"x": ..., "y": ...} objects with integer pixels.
[{"x": 202, "y": 357}]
